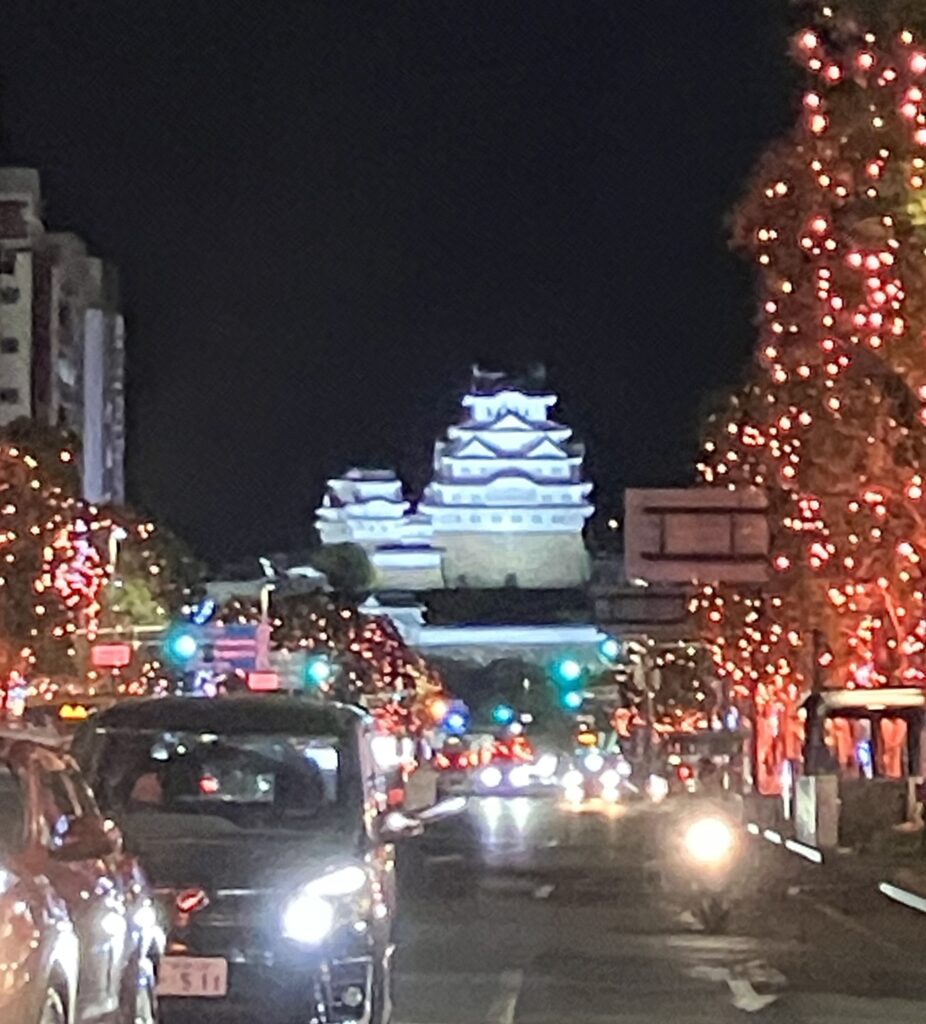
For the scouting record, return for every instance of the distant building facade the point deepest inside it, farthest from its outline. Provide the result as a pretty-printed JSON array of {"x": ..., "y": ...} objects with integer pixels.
[
  {"x": 506, "y": 506},
  {"x": 62, "y": 336}
]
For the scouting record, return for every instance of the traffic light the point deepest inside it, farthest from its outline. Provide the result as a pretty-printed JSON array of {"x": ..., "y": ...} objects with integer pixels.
[
  {"x": 566, "y": 671},
  {"x": 317, "y": 670},
  {"x": 181, "y": 645},
  {"x": 503, "y": 714},
  {"x": 572, "y": 700},
  {"x": 610, "y": 650}
]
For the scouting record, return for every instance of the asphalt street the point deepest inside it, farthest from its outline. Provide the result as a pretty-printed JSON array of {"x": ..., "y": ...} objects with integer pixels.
[{"x": 566, "y": 923}]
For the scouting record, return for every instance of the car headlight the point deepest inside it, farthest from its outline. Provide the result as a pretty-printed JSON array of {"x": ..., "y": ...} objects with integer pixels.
[
  {"x": 520, "y": 776},
  {"x": 491, "y": 777},
  {"x": 573, "y": 779},
  {"x": 709, "y": 840},
  {"x": 594, "y": 763},
  {"x": 310, "y": 915},
  {"x": 609, "y": 779},
  {"x": 546, "y": 765}
]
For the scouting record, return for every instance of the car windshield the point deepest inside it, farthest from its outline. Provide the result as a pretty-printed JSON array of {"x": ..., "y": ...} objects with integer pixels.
[{"x": 209, "y": 782}]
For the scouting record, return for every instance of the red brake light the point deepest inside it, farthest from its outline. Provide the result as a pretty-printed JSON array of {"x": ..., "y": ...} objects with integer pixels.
[
  {"x": 442, "y": 761},
  {"x": 208, "y": 784},
  {"x": 190, "y": 900},
  {"x": 685, "y": 772}
]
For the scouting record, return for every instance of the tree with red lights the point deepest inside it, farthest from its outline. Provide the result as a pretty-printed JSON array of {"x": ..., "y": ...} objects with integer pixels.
[
  {"x": 370, "y": 662},
  {"x": 830, "y": 423}
]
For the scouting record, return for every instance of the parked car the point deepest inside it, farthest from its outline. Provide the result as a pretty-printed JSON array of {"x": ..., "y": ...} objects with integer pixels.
[
  {"x": 78, "y": 939},
  {"x": 263, "y": 821}
]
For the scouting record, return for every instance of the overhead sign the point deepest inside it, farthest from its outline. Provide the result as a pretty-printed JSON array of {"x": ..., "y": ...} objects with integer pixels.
[
  {"x": 697, "y": 535},
  {"x": 110, "y": 655}
]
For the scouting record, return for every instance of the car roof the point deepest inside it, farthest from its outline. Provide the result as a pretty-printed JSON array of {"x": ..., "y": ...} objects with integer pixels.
[{"x": 244, "y": 714}]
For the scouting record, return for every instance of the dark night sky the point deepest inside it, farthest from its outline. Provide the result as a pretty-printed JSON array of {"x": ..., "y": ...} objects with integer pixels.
[{"x": 324, "y": 212}]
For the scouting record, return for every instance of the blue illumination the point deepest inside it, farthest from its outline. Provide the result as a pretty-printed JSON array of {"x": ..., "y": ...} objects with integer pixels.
[
  {"x": 318, "y": 670},
  {"x": 203, "y": 612},
  {"x": 503, "y": 714},
  {"x": 181, "y": 647},
  {"x": 572, "y": 700},
  {"x": 567, "y": 670},
  {"x": 611, "y": 649},
  {"x": 456, "y": 723}
]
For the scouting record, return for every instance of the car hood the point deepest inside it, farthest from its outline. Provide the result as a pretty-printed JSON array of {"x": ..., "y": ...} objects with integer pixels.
[{"x": 239, "y": 860}]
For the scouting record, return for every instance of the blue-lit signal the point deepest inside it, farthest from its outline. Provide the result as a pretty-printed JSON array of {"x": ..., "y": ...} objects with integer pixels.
[
  {"x": 318, "y": 670},
  {"x": 611, "y": 649},
  {"x": 503, "y": 714},
  {"x": 181, "y": 646},
  {"x": 567, "y": 671},
  {"x": 572, "y": 700}
]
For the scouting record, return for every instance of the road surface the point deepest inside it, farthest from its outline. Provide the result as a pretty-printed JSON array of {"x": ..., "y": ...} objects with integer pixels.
[{"x": 565, "y": 926}]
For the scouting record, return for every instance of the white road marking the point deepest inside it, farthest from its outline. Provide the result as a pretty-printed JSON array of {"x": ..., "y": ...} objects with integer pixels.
[
  {"x": 810, "y": 853},
  {"x": 908, "y": 899},
  {"x": 745, "y": 997},
  {"x": 772, "y": 836},
  {"x": 504, "y": 1004},
  {"x": 543, "y": 892},
  {"x": 752, "y": 828},
  {"x": 740, "y": 983}
]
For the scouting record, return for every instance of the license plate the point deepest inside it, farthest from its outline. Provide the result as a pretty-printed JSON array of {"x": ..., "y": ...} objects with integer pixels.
[{"x": 193, "y": 976}]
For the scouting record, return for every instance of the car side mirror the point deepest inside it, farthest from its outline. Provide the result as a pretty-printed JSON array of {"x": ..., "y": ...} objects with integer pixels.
[
  {"x": 87, "y": 839},
  {"x": 398, "y": 825}
]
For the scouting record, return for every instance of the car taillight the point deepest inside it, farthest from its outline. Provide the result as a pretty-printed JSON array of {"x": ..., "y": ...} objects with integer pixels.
[
  {"x": 684, "y": 772},
  {"x": 191, "y": 900},
  {"x": 442, "y": 761}
]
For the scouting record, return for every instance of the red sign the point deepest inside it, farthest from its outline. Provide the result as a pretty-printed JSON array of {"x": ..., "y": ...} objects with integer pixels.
[
  {"x": 263, "y": 682},
  {"x": 111, "y": 655}
]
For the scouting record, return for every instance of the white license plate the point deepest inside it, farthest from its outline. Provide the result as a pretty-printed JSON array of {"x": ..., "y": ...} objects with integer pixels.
[{"x": 193, "y": 976}]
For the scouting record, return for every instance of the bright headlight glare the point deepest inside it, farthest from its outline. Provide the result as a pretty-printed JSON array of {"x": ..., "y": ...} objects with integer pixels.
[
  {"x": 609, "y": 778},
  {"x": 343, "y": 882},
  {"x": 594, "y": 762},
  {"x": 573, "y": 779},
  {"x": 491, "y": 777},
  {"x": 709, "y": 840},
  {"x": 546, "y": 765},
  {"x": 623, "y": 768},
  {"x": 307, "y": 918},
  {"x": 520, "y": 776}
]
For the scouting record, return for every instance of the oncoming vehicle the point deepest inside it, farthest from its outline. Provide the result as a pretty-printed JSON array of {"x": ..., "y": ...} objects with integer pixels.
[
  {"x": 78, "y": 938},
  {"x": 263, "y": 823}
]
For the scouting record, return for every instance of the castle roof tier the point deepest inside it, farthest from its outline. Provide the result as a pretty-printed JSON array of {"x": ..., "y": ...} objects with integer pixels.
[{"x": 507, "y": 467}]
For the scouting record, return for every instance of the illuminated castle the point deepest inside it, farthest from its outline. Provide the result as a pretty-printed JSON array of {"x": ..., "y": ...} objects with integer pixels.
[{"x": 505, "y": 507}]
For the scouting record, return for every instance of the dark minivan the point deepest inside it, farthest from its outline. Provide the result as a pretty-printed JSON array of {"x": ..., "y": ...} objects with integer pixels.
[{"x": 262, "y": 822}]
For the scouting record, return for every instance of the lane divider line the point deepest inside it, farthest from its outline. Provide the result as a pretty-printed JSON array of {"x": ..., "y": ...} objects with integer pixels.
[
  {"x": 504, "y": 1004},
  {"x": 810, "y": 853},
  {"x": 908, "y": 899}
]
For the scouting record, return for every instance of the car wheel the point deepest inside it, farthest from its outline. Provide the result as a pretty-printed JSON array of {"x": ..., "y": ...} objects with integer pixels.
[{"x": 52, "y": 1011}]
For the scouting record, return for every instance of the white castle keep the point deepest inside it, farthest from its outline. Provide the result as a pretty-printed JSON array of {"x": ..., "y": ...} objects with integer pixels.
[{"x": 506, "y": 505}]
